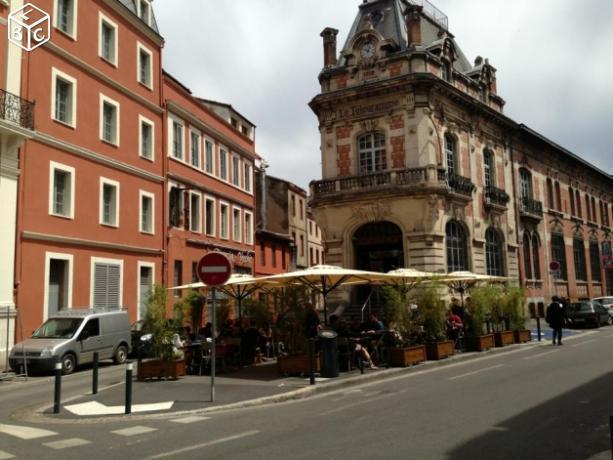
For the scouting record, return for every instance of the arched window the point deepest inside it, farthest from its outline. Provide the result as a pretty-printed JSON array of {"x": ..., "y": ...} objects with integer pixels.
[
  {"x": 536, "y": 256},
  {"x": 578, "y": 202},
  {"x": 450, "y": 154},
  {"x": 558, "y": 197},
  {"x": 527, "y": 262},
  {"x": 571, "y": 195},
  {"x": 489, "y": 169},
  {"x": 371, "y": 150},
  {"x": 550, "y": 201},
  {"x": 457, "y": 255},
  {"x": 579, "y": 256},
  {"x": 558, "y": 253},
  {"x": 525, "y": 183},
  {"x": 595, "y": 266},
  {"x": 493, "y": 253}
]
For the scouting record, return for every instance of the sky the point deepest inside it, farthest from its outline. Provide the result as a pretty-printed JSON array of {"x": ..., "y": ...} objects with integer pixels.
[{"x": 263, "y": 56}]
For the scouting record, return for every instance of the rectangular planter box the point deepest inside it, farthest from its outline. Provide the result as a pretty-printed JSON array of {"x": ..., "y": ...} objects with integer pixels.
[
  {"x": 407, "y": 356},
  {"x": 503, "y": 338},
  {"x": 295, "y": 364},
  {"x": 522, "y": 336},
  {"x": 157, "y": 368},
  {"x": 481, "y": 343},
  {"x": 439, "y": 350}
]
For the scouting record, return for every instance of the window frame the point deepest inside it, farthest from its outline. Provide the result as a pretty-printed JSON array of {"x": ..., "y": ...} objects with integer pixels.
[
  {"x": 235, "y": 210},
  {"x": 55, "y": 74},
  {"x": 105, "y": 261},
  {"x": 107, "y": 100},
  {"x": 142, "y": 264},
  {"x": 556, "y": 238},
  {"x": 536, "y": 256},
  {"x": 205, "y": 157},
  {"x": 462, "y": 263},
  {"x": 526, "y": 189},
  {"x": 370, "y": 155},
  {"x": 210, "y": 199},
  {"x": 53, "y": 166},
  {"x": 224, "y": 235},
  {"x": 192, "y": 228},
  {"x": 139, "y": 11},
  {"x": 236, "y": 170},
  {"x": 73, "y": 19},
  {"x": 192, "y": 132},
  {"x": 113, "y": 183},
  {"x": 181, "y": 217},
  {"x": 595, "y": 261},
  {"x": 224, "y": 174},
  {"x": 247, "y": 177},
  {"x": 248, "y": 227},
  {"x": 142, "y": 120},
  {"x": 58, "y": 256},
  {"x": 489, "y": 168},
  {"x": 494, "y": 253},
  {"x": 142, "y": 48},
  {"x": 102, "y": 19},
  {"x": 451, "y": 155},
  {"x": 171, "y": 138},
  {"x": 144, "y": 194},
  {"x": 579, "y": 259}
]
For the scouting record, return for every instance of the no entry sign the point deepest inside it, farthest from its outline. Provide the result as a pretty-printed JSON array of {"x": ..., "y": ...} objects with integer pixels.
[{"x": 214, "y": 269}]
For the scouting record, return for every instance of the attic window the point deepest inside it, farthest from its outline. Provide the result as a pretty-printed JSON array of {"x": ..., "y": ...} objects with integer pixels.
[
  {"x": 144, "y": 11},
  {"x": 482, "y": 94},
  {"x": 446, "y": 71},
  {"x": 234, "y": 122}
]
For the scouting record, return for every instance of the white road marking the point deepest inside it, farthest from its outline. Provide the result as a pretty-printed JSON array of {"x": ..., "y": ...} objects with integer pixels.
[
  {"x": 358, "y": 403},
  {"x": 96, "y": 408},
  {"x": 65, "y": 443},
  {"x": 5, "y": 455},
  {"x": 475, "y": 372},
  {"x": 583, "y": 343},
  {"x": 192, "y": 419},
  {"x": 134, "y": 430},
  {"x": 541, "y": 354},
  {"x": 25, "y": 432},
  {"x": 205, "y": 444}
]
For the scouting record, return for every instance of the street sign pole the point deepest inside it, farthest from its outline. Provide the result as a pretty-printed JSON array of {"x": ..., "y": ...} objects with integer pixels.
[{"x": 213, "y": 314}]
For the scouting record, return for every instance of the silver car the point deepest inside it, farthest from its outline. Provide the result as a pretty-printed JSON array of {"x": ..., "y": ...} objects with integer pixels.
[
  {"x": 74, "y": 336},
  {"x": 606, "y": 302}
]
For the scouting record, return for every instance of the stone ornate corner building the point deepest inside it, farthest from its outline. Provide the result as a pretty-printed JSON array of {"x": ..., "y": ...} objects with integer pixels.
[{"x": 421, "y": 168}]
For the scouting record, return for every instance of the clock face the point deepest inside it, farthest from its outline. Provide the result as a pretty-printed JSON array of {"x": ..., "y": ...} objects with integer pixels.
[{"x": 368, "y": 50}]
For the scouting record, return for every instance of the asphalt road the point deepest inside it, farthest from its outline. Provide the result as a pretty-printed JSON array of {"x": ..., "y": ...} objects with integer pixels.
[{"x": 541, "y": 402}]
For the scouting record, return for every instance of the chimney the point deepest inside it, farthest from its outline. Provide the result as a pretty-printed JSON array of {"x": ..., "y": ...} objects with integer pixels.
[
  {"x": 412, "y": 17},
  {"x": 329, "y": 35}
]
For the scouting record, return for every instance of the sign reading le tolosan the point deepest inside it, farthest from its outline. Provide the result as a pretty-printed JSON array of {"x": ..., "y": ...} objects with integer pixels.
[{"x": 214, "y": 269}]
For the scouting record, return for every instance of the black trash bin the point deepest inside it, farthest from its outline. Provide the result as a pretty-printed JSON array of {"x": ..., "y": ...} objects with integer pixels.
[{"x": 328, "y": 353}]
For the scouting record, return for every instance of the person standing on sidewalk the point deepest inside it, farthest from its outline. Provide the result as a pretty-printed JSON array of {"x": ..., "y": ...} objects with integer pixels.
[{"x": 555, "y": 318}]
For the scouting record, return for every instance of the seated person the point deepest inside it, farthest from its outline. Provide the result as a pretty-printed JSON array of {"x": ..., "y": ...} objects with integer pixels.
[
  {"x": 454, "y": 326},
  {"x": 373, "y": 324},
  {"x": 343, "y": 331}
]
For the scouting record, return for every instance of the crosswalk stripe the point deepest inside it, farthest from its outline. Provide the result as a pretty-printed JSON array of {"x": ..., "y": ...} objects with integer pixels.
[
  {"x": 65, "y": 443},
  {"x": 5, "y": 455},
  {"x": 134, "y": 430},
  {"x": 192, "y": 419},
  {"x": 25, "y": 432}
]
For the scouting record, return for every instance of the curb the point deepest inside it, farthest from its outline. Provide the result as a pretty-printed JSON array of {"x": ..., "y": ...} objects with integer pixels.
[{"x": 37, "y": 415}]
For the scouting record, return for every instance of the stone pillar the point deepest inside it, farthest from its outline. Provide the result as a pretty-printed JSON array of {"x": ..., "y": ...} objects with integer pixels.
[{"x": 329, "y": 35}]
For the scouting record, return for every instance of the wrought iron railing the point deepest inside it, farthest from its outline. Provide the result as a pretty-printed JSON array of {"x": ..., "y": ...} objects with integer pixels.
[
  {"x": 495, "y": 195},
  {"x": 16, "y": 110},
  {"x": 461, "y": 185},
  {"x": 530, "y": 206},
  {"x": 433, "y": 12}
]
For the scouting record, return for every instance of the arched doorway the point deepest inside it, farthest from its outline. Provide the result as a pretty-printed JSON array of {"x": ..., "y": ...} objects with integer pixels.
[{"x": 378, "y": 247}]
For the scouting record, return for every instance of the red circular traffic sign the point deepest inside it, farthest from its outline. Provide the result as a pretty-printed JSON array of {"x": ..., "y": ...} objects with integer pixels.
[
  {"x": 554, "y": 266},
  {"x": 214, "y": 269}
]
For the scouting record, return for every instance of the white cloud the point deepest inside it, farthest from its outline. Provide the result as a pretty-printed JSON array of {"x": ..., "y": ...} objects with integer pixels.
[{"x": 264, "y": 56}]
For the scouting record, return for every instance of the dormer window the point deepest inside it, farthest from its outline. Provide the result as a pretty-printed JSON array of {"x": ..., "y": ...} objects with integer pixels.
[
  {"x": 446, "y": 71},
  {"x": 144, "y": 11},
  {"x": 482, "y": 94}
]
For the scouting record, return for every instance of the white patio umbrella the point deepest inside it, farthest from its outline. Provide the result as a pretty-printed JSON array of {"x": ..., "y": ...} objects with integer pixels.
[
  {"x": 324, "y": 279},
  {"x": 460, "y": 281}
]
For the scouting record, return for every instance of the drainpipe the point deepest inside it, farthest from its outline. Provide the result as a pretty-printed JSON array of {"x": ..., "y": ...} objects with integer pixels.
[{"x": 263, "y": 196}]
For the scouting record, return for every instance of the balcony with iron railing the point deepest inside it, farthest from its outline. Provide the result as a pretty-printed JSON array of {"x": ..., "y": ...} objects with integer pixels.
[
  {"x": 530, "y": 208},
  {"x": 460, "y": 185},
  {"x": 496, "y": 197},
  {"x": 15, "y": 110}
]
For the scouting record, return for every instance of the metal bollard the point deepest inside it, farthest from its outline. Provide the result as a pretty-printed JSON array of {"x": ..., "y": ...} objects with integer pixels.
[
  {"x": 312, "y": 361},
  {"x": 129, "y": 388},
  {"x": 538, "y": 327},
  {"x": 95, "y": 374},
  {"x": 58, "y": 387}
]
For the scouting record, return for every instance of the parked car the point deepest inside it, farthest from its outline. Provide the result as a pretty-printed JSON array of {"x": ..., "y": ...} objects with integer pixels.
[
  {"x": 73, "y": 336},
  {"x": 606, "y": 302},
  {"x": 588, "y": 313}
]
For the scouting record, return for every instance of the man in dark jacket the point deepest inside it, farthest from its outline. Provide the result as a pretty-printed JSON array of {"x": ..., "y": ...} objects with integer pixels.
[{"x": 555, "y": 318}]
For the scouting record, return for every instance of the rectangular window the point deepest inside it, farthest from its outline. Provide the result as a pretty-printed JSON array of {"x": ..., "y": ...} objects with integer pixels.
[
  {"x": 558, "y": 253},
  {"x": 293, "y": 205},
  {"x": 311, "y": 261},
  {"x": 223, "y": 164},
  {"x": 301, "y": 209},
  {"x": 273, "y": 256},
  {"x": 262, "y": 254},
  {"x": 144, "y": 66},
  {"x": 247, "y": 177},
  {"x": 301, "y": 245},
  {"x": 248, "y": 228},
  {"x": 310, "y": 227},
  {"x": 178, "y": 277},
  {"x": 106, "y": 283},
  {"x": 109, "y": 120},
  {"x": 146, "y": 141},
  {"x": 65, "y": 15},
  {"x": 571, "y": 195},
  {"x": 223, "y": 219},
  {"x": 175, "y": 206},
  {"x": 195, "y": 225},
  {"x": 195, "y": 148},
  {"x": 208, "y": 152},
  {"x": 108, "y": 40},
  {"x": 61, "y": 190},
  {"x": 177, "y": 140},
  {"x": 146, "y": 212},
  {"x": 578, "y": 203},
  {"x": 236, "y": 171},
  {"x": 144, "y": 11},
  {"x": 236, "y": 225},
  {"x": 579, "y": 256},
  {"x": 64, "y": 89},
  {"x": 145, "y": 287},
  {"x": 210, "y": 216},
  {"x": 595, "y": 261},
  {"x": 109, "y": 202}
]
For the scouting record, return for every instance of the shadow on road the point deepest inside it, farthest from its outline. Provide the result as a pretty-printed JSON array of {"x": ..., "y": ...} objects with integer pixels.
[{"x": 572, "y": 426}]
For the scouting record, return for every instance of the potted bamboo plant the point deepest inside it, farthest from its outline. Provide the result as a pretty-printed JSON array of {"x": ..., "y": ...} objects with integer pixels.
[
  {"x": 406, "y": 321},
  {"x": 514, "y": 301},
  {"x": 478, "y": 312},
  {"x": 432, "y": 310},
  {"x": 167, "y": 363},
  {"x": 503, "y": 335}
]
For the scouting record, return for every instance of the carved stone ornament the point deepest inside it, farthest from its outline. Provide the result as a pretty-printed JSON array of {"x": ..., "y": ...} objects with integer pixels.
[
  {"x": 556, "y": 225},
  {"x": 432, "y": 211},
  {"x": 455, "y": 211},
  {"x": 372, "y": 212},
  {"x": 370, "y": 125}
]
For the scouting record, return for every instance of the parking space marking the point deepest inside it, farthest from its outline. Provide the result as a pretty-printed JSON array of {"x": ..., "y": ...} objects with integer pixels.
[
  {"x": 134, "y": 430},
  {"x": 25, "y": 432},
  {"x": 5, "y": 455},
  {"x": 66, "y": 443},
  {"x": 541, "y": 354},
  {"x": 192, "y": 419},
  {"x": 358, "y": 403},
  {"x": 478, "y": 371},
  {"x": 174, "y": 453},
  {"x": 583, "y": 343}
]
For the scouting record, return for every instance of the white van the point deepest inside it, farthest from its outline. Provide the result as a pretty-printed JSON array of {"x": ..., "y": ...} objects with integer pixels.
[{"x": 73, "y": 336}]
